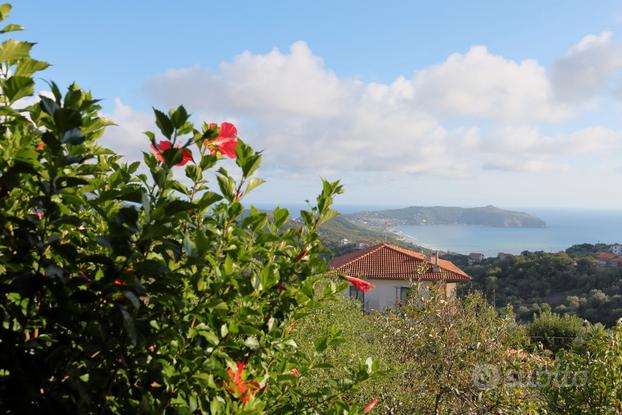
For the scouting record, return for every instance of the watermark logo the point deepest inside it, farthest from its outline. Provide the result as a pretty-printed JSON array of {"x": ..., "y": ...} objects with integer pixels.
[{"x": 487, "y": 376}]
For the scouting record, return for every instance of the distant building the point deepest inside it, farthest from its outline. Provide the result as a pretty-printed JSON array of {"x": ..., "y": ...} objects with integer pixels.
[
  {"x": 344, "y": 241},
  {"x": 503, "y": 255},
  {"x": 608, "y": 260},
  {"x": 476, "y": 258},
  {"x": 362, "y": 245},
  {"x": 393, "y": 270},
  {"x": 616, "y": 249}
]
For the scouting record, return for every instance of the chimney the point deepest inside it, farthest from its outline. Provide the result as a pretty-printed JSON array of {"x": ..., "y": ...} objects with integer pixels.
[{"x": 435, "y": 266}]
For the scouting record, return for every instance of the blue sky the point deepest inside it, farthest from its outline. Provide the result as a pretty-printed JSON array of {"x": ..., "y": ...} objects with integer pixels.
[{"x": 464, "y": 103}]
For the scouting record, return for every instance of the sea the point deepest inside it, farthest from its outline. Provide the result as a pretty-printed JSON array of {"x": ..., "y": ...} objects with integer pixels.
[{"x": 564, "y": 228}]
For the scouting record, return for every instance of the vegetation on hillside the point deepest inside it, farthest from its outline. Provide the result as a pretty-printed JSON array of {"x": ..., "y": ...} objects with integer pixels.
[
  {"x": 568, "y": 282},
  {"x": 444, "y": 215},
  {"x": 465, "y": 357},
  {"x": 342, "y": 236}
]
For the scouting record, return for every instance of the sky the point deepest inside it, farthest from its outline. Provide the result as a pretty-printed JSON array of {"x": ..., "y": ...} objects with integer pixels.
[{"x": 515, "y": 104}]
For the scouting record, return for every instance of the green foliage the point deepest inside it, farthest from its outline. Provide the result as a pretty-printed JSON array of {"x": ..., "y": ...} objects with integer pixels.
[
  {"x": 555, "y": 332},
  {"x": 125, "y": 291},
  {"x": 588, "y": 380},
  {"x": 430, "y": 354},
  {"x": 570, "y": 282}
]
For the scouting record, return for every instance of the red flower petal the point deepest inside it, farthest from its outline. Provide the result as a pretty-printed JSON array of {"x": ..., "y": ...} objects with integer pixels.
[
  {"x": 186, "y": 155},
  {"x": 157, "y": 153},
  {"x": 295, "y": 372},
  {"x": 119, "y": 282},
  {"x": 40, "y": 147},
  {"x": 226, "y": 142},
  {"x": 362, "y": 285},
  {"x": 228, "y": 130},
  {"x": 242, "y": 389},
  {"x": 370, "y": 406}
]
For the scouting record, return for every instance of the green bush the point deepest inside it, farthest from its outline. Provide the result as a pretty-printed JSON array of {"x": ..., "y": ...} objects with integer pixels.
[
  {"x": 555, "y": 331},
  {"x": 588, "y": 380},
  {"x": 124, "y": 291},
  {"x": 431, "y": 355}
]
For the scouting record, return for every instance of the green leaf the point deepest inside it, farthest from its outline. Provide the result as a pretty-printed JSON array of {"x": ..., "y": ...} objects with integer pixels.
[
  {"x": 73, "y": 136},
  {"x": 11, "y": 50},
  {"x": 267, "y": 277},
  {"x": 252, "y": 343},
  {"x": 178, "y": 206},
  {"x": 179, "y": 117},
  {"x": 227, "y": 186},
  {"x": 48, "y": 105},
  {"x": 320, "y": 344},
  {"x": 5, "y": 9},
  {"x": 27, "y": 67},
  {"x": 209, "y": 336},
  {"x": 67, "y": 119},
  {"x": 207, "y": 199},
  {"x": 11, "y": 28},
  {"x": 253, "y": 183},
  {"x": 281, "y": 216},
  {"x": 164, "y": 123},
  {"x": 17, "y": 87}
]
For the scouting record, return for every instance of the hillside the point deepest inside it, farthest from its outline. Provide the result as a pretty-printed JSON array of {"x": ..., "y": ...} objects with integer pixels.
[
  {"x": 443, "y": 215},
  {"x": 341, "y": 235},
  {"x": 568, "y": 282}
]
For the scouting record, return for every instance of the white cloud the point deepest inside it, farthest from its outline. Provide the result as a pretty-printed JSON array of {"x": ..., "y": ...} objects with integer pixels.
[
  {"x": 480, "y": 84},
  {"x": 585, "y": 70},
  {"x": 127, "y": 138},
  {"x": 528, "y": 140},
  {"x": 308, "y": 119},
  {"x": 524, "y": 166}
]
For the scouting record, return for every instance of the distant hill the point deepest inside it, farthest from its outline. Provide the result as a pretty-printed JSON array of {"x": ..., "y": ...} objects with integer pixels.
[
  {"x": 341, "y": 236},
  {"x": 443, "y": 215}
]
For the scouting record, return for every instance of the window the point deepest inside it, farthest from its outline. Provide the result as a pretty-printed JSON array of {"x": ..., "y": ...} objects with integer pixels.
[
  {"x": 401, "y": 294},
  {"x": 357, "y": 294}
]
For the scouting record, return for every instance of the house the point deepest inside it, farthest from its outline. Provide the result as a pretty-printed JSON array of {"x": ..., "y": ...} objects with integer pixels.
[
  {"x": 476, "y": 258},
  {"x": 608, "y": 260},
  {"x": 394, "y": 270},
  {"x": 503, "y": 255},
  {"x": 616, "y": 249}
]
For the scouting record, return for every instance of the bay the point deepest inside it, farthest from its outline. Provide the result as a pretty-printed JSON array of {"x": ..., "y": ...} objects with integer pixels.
[{"x": 565, "y": 227}]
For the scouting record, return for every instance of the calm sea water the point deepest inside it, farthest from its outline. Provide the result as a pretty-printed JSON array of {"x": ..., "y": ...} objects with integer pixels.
[{"x": 565, "y": 227}]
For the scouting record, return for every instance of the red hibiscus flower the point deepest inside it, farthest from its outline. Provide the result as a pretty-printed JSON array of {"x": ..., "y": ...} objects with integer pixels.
[
  {"x": 226, "y": 142},
  {"x": 163, "y": 146},
  {"x": 362, "y": 285},
  {"x": 40, "y": 147},
  {"x": 37, "y": 213},
  {"x": 119, "y": 282},
  {"x": 370, "y": 406},
  {"x": 243, "y": 389},
  {"x": 295, "y": 372}
]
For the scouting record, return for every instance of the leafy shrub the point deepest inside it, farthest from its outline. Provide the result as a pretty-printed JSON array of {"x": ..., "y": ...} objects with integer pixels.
[
  {"x": 555, "y": 331},
  {"x": 131, "y": 292},
  {"x": 430, "y": 355},
  {"x": 588, "y": 380}
]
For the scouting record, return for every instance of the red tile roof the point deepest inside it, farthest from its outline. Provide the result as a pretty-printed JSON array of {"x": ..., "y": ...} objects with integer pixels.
[
  {"x": 606, "y": 256},
  {"x": 389, "y": 262}
]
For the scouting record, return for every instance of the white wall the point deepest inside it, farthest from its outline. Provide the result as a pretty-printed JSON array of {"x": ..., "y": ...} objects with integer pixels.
[{"x": 386, "y": 295}]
